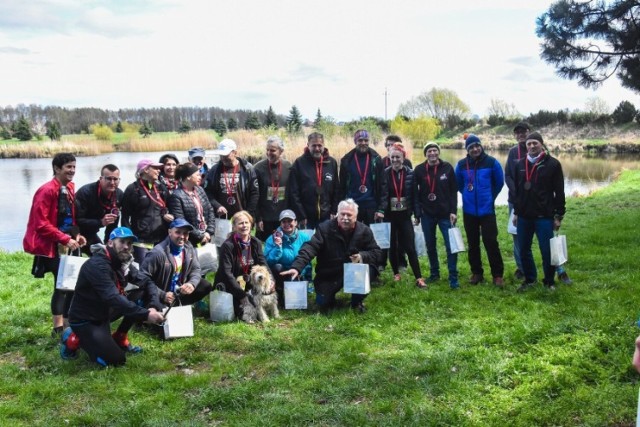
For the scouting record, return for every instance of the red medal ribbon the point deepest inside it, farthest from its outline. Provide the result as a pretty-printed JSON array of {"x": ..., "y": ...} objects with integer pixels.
[
  {"x": 233, "y": 179},
  {"x": 527, "y": 175},
  {"x": 111, "y": 199},
  {"x": 157, "y": 199},
  {"x": 395, "y": 185},
  {"x": 363, "y": 177},
  {"x": 469, "y": 175},
  {"x": 431, "y": 182},
  {"x": 275, "y": 184},
  {"x": 244, "y": 265}
]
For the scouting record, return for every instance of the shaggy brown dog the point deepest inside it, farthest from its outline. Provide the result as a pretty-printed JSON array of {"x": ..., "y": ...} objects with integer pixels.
[{"x": 263, "y": 291}]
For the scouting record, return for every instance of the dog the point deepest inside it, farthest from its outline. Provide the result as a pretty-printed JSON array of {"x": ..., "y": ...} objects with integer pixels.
[{"x": 265, "y": 297}]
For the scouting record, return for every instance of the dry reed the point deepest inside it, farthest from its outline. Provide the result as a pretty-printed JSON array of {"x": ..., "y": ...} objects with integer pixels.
[{"x": 35, "y": 150}]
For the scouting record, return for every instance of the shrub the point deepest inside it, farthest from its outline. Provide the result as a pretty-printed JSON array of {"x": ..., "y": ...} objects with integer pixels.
[
  {"x": 101, "y": 132},
  {"x": 625, "y": 112}
]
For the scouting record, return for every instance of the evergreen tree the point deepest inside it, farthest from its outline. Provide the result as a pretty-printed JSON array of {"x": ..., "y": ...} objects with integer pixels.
[
  {"x": 294, "y": 120},
  {"x": 22, "y": 130},
  {"x": 271, "y": 120},
  {"x": 625, "y": 112},
  {"x": 119, "y": 128},
  {"x": 5, "y": 133},
  {"x": 232, "y": 124},
  {"x": 145, "y": 129},
  {"x": 318, "y": 122},
  {"x": 185, "y": 127},
  {"x": 219, "y": 126},
  {"x": 252, "y": 122},
  {"x": 53, "y": 130}
]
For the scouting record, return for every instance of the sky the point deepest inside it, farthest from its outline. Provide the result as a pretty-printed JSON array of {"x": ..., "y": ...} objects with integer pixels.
[{"x": 344, "y": 57}]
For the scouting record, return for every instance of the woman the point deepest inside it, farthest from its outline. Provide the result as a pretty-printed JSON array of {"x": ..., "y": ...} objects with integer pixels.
[
  {"x": 168, "y": 171},
  {"x": 399, "y": 209},
  {"x": 190, "y": 202},
  {"x": 144, "y": 208},
  {"x": 238, "y": 254}
]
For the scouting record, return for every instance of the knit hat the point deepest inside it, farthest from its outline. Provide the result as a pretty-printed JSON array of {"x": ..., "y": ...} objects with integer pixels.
[
  {"x": 430, "y": 145},
  {"x": 471, "y": 140},
  {"x": 360, "y": 134},
  {"x": 185, "y": 170},
  {"x": 536, "y": 136},
  {"x": 523, "y": 126}
]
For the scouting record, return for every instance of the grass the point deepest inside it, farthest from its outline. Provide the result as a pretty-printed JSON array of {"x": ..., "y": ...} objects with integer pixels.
[{"x": 480, "y": 356}]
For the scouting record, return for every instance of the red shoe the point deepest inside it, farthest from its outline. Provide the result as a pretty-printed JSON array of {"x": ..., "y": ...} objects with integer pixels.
[
  {"x": 397, "y": 277},
  {"x": 421, "y": 284},
  {"x": 122, "y": 339}
]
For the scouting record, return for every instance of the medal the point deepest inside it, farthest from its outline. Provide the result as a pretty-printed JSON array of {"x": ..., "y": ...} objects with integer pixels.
[
  {"x": 527, "y": 185},
  {"x": 362, "y": 189},
  {"x": 363, "y": 176},
  {"x": 202, "y": 226},
  {"x": 399, "y": 206},
  {"x": 470, "y": 187},
  {"x": 275, "y": 200},
  {"x": 231, "y": 201},
  {"x": 115, "y": 211},
  {"x": 431, "y": 197}
]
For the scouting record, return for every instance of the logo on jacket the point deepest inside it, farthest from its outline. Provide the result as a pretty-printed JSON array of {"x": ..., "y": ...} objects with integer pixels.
[{"x": 328, "y": 177}]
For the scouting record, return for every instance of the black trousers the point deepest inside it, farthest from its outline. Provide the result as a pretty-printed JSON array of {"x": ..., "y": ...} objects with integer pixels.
[
  {"x": 487, "y": 228},
  {"x": 403, "y": 241}
]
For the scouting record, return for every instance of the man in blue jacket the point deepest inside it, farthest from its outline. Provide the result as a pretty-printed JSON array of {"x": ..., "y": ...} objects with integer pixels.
[{"x": 480, "y": 179}]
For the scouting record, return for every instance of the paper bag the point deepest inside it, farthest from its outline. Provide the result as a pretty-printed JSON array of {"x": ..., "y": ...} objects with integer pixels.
[
  {"x": 511, "y": 229},
  {"x": 295, "y": 295},
  {"x": 221, "y": 306},
  {"x": 559, "y": 253},
  {"x": 382, "y": 234},
  {"x": 455, "y": 240},
  {"x": 420, "y": 243},
  {"x": 68, "y": 272},
  {"x": 223, "y": 228},
  {"x": 178, "y": 322},
  {"x": 356, "y": 279},
  {"x": 208, "y": 258}
]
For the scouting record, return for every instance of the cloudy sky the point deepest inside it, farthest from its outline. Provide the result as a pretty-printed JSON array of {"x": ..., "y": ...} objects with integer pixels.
[{"x": 336, "y": 55}]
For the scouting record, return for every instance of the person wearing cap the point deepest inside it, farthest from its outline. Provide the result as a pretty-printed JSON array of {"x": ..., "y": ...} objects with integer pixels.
[
  {"x": 539, "y": 207},
  {"x": 282, "y": 247},
  {"x": 190, "y": 202},
  {"x": 313, "y": 191},
  {"x": 273, "y": 178},
  {"x": 436, "y": 206},
  {"x": 389, "y": 141},
  {"x": 197, "y": 156},
  {"x": 341, "y": 240},
  {"x": 232, "y": 185},
  {"x": 173, "y": 266},
  {"x": 168, "y": 172},
  {"x": 480, "y": 179},
  {"x": 398, "y": 213},
  {"x": 362, "y": 179},
  {"x": 98, "y": 205},
  {"x": 517, "y": 153},
  {"x": 52, "y": 230},
  {"x": 144, "y": 208},
  {"x": 238, "y": 254},
  {"x": 101, "y": 298}
]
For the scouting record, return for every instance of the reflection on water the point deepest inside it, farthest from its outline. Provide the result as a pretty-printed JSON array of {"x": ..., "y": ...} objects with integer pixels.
[{"x": 583, "y": 174}]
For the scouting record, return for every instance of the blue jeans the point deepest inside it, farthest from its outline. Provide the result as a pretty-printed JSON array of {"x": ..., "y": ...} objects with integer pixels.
[
  {"x": 429, "y": 224},
  {"x": 543, "y": 229}
]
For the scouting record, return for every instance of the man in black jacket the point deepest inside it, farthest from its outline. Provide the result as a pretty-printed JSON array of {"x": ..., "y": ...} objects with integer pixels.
[
  {"x": 98, "y": 205},
  {"x": 100, "y": 298},
  {"x": 341, "y": 240}
]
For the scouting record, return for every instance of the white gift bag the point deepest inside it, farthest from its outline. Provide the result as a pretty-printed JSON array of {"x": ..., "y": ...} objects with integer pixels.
[
  {"x": 68, "y": 272},
  {"x": 221, "y": 306},
  {"x": 356, "y": 279},
  {"x": 559, "y": 253},
  {"x": 382, "y": 234},
  {"x": 223, "y": 228},
  {"x": 455, "y": 240},
  {"x": 178, "y": 322},
  {"x": 295, "y": 295},
  {"x": 511, "y": 229},
  {"x": 420, "y": 243},
  {"x": 208, "y": 258}
]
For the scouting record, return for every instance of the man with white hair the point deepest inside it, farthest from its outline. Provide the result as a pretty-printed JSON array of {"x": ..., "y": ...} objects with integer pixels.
[
  {"x": 342, "y": 239},
  {"x": 273, "y": 177}
]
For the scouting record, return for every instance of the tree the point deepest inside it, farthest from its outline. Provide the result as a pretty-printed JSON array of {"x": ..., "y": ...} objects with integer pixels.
[
  {"x": 119, "y": 128},
  {"x": 442, "y": 104},
  {"x": 317, "y": 123},
  {"x": 271, "y": 120},
  {"x": 185, "y": 127},
  {"x": 294, "y": 120},
  {"x": 419, "y": 131},
  {"x": 145, "y": 129},
  {"x": 625, "y": 112},
  {"x": 252, "y": 122},
  {"x": 5, "y": 133},
  {"x": 101, "y": 132},
  {"x": 597, "y": 106},
  {"x": 219, "y": 126},
  {"x": 500, "y": 108},
  {"x": 22, "y": 129},
  {"x": 593, "y": 40},
  {"x": 53, "y": 130},
  {"x": 232, "y": 124}
]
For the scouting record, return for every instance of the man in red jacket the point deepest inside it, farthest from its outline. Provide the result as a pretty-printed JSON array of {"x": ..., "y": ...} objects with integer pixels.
[{"x": 52, "y": 229}]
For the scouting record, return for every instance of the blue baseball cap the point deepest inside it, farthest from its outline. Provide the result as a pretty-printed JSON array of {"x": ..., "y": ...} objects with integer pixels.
[
  {"x": 181, "y": 223},
  {"x": 122, "y": 233}
]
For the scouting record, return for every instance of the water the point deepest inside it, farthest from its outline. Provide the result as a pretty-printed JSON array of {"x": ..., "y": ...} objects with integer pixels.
[{"x": 583, "y": 174}]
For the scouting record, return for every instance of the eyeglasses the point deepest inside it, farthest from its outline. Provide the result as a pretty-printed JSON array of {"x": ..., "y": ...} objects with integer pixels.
[{"x": 111, "y": 178}]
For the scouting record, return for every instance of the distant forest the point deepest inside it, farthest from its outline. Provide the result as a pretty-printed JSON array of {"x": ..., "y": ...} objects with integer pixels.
[{"x": 78, "y": 120}]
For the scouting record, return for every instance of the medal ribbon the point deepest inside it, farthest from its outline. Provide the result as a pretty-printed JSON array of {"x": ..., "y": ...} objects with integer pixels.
[
  {"x": 527, "y": 175},
  {"x": 198, "y": 203},
  {"x": 177, "y": 278},
  {"x": 233, "y": 179},
  {"x": 118, "y": 285},
  {"x": 245, "y": 265},
  {"x": 275, "y": 183},
  {"x": 111, "y": 199},
  {"x": 363, "y": 177},
  {"x": 397, "y": 190},
  {"x": 157, "y": 199},
  {"x": 431, "y": 182},
  {"x": 469, "y": 175}
]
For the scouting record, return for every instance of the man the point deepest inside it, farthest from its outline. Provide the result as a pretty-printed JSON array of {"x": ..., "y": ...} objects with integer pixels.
[
  {"x": 516, "y": 153},
  {"x": 98, "y": 205},
  {"x": 539, "y": 207},
  {"x": 362, "y": 179},
  {"x": 52, "y": 229},
  {"x": 232, "y": 185},
  {"x": 197, "y": 157},
  {"x": 173, "y": 266},
  {"x": 273, "y": 178},
  {"x": 313, "y": 184},
  {"x": 343, "y": 239},
  {"x": 388, "y": 142},
  {"x": 100, "y": 298},
  {"x": 436, "y": 205},
  {"x": 480, "y": 179}
]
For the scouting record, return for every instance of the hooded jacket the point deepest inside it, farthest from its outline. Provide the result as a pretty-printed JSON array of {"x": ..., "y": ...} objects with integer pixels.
[
  {"x": 486, "y": 176},
  {"x": 90, "y": 209},
  {"x": 247, "y": 188},
  {"x": 545, "y": 198},
  {"x": 445, "y": 188},
  {"x": 380, "y": 192},
  {"x": 141, "y": 214}
]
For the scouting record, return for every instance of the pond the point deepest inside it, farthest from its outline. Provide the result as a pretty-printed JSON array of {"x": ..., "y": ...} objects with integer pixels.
[{"x": 583, "y": 174}]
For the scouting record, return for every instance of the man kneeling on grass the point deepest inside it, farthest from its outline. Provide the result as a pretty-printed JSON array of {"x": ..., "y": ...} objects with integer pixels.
[{"x": 100, "y": 298}]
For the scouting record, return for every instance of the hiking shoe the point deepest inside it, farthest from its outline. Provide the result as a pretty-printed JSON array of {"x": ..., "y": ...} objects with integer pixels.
[
  {"x": 69, "y": 345},
  {"x": 359, "y": 308},
  {"x": 518, "y": 274},
  {"x": 432, "y": 279},
  {"x": 525, "y": 285},
  {"x": 453, "y": 284},
  {"x": 397, "y": 277},
  {"x": 498, "y": 281},
  {"x": 123, "y": 342},
  {"x": 421, "y": 284},
  {"x": 475, "y": 279},
  {"x": 564, "y": 278}
]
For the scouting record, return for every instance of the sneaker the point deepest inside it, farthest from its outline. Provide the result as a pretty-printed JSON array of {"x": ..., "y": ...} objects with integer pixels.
[
  {"x": 564, "y": 278},
  {"x": 432, "y": 279},
  {"x": 421, "y": 284},
  {"x": 397, "y": 277},
  {"x": 453, "y": 284},
  {"x": 69, "y": 345},
  {"x": 498, "y": 281},
  {"x": 475, "y": 279},
  {"x": 525, "y": 285},
  {"x": 518, "y": 274},
  {"x": 123, "y": 342},
  {"x": 551, "y": 287}
]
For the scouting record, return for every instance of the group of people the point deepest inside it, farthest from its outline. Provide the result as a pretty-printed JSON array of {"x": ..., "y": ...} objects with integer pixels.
[{"x": 171, "y": 208}]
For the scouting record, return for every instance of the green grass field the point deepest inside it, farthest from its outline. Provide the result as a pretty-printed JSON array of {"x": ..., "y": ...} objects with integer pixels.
[{"x": 480, "y": 356}]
